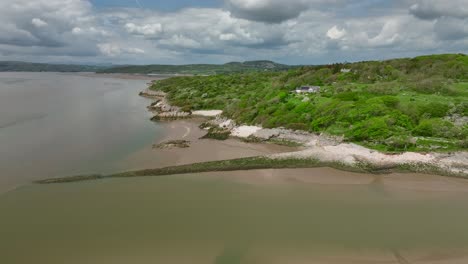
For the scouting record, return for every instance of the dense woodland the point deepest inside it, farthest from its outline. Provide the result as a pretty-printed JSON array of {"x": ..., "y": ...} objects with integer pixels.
[{"x": 396, "y": 105}]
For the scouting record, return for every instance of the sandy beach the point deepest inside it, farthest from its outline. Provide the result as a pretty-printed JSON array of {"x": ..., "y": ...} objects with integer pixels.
[{"x": 200, "y": 150}]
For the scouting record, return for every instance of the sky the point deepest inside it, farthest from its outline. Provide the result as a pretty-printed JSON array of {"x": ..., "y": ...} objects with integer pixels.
[{"x": 220, "y": 31}]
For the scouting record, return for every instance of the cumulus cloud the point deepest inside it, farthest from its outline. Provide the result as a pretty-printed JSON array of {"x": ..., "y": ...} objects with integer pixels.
[
  {"x": 114, "y": 49},
  {"x": 295, "y": 31},
  {"x": 336, "y": 33},
  {"x": 45, "y": 23},
  {"x": 181, "y": 41},
  {"x": 146, "y": 29},
  {"x": 109, "y": 49},
  {"x": 38, "y": 22}
]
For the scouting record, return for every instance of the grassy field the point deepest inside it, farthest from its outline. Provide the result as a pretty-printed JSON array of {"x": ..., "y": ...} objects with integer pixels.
[{"x": 418, "y": 104}]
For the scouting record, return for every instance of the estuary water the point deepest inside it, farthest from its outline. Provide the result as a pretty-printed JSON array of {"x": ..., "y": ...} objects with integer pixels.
[
  {"x": 54, "y": 124},
  {"x": 319, "y": 216}
]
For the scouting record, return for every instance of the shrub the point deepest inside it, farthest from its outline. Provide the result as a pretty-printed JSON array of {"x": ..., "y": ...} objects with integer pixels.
[
  {"x": 436, "y": 127},
  {"x": 374, "y": 128},
  {"x": 383, "y": 89},
  {"x": 348, "y": 96},
  {"x": 433, "y": 109},
  {"x": 432, "y": 85},
  {"x": 390, "y": 101}
]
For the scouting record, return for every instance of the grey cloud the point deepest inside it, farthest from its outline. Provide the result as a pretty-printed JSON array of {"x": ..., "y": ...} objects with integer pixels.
[
  {"x": 269, "y": 11},
  {"x": 448, "y": 28},
  {"x": 450, "y": 17},
  {"x": 205, "y": 30},
  {"x": 433, "y": 9}
]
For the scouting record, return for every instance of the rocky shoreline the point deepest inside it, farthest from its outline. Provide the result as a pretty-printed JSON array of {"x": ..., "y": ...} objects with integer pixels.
[{"x": 161, "y": 108}]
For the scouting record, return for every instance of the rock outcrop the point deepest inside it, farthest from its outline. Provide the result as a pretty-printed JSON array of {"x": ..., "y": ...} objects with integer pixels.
[
  {"x": 173, "y": 144},
  {"x": 161, "y": 108}
]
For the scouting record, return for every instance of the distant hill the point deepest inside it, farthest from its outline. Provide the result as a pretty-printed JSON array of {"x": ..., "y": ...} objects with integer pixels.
[
  {"x": 8, "y": 66},
  {"x": 200, "y": 69}
]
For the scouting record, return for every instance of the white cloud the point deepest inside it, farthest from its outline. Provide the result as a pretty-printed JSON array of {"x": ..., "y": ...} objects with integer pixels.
[
  {"x": 388, "y": 35},
  {"x": 77, "y": 30},
  {"x": 109, "y": 49},
  {"x": 181, "y": 41},
  {"x": 135, "y": 51},
  {"x": 114, "y": 50},
  {"x": 38, "y": 22},
  {"x": 227, "y": 36},
  {"x": 147, "y": 30},
  {"x": 336, "y": 33}
]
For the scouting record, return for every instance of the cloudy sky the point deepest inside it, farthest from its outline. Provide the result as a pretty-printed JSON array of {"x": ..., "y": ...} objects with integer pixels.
[{"x": 219, "y": 31}]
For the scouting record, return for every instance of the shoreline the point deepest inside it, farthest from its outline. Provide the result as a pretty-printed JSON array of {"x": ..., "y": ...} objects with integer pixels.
[{"x": 317, "y": 151}]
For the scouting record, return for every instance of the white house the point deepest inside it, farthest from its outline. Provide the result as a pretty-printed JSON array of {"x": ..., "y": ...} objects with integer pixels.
[{"x": 308, "y": 89}]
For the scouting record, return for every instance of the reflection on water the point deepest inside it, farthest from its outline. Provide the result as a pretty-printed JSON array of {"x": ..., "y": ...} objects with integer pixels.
[
  {"x": 55, "y": 124},
  {"x": 198, "y": 219}
]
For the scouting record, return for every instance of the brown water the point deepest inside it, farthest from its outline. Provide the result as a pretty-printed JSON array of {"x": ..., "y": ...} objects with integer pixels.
[
  {"x": 54, "y": 124},
  {"x": 228, "y": 218}
]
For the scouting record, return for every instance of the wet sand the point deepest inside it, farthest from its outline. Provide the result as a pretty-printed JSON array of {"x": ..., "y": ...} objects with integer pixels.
[
  {"x": 200, "y": 150},
  {"x": 400, "y": 182}
]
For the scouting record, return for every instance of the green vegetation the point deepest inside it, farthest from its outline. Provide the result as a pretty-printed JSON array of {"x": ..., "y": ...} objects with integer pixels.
[
  {"x": 201, "y": 69},
  {"x": 7, "y": 66},
  {"x": 418, "y": 104}
]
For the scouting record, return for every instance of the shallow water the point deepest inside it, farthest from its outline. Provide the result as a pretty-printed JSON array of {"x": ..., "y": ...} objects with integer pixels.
[
  {"x": 222, "y": 220},
  {"x": 54, "y": 124}
]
